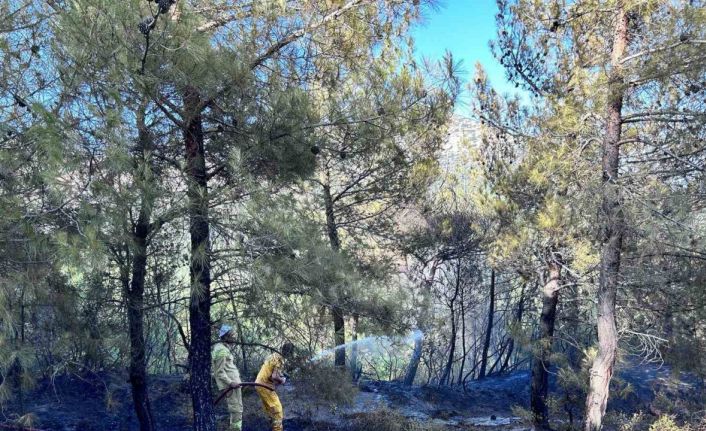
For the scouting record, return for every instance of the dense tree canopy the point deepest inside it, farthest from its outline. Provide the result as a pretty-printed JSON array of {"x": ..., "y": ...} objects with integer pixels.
[{"x": 292, "y": 169}]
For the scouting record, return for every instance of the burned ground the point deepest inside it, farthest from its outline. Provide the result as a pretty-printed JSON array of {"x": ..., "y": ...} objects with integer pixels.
[{"x": 103, "y": 402}]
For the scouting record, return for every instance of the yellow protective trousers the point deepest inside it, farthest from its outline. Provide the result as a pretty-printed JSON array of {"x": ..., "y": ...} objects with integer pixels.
[{"x": 272, "y": 407}]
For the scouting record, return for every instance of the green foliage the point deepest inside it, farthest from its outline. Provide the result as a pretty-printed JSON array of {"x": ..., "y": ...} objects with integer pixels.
[
  {"x": 282, "y": 146},
  {"x": 666, "y": 423},
  {"x": 640, "y": 421},
  {"x": 632, "y": 423},
  {"x": 325, "y": 385}
]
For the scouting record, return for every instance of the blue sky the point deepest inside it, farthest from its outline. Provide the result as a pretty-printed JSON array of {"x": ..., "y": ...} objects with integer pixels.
[{"x": 463, "y": 27}]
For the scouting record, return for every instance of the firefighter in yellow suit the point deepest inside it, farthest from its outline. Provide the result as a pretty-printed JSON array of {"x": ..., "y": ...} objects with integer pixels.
[
  {"x": 272, "y": 373},
  {"x": 226, "y": 374}
]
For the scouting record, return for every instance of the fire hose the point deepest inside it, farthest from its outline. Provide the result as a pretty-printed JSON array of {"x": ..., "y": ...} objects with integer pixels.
[{"x": 240, "y": 385}]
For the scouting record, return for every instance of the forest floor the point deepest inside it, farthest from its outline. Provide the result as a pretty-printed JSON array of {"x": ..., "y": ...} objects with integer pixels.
[{"x": 103, "y": 402}]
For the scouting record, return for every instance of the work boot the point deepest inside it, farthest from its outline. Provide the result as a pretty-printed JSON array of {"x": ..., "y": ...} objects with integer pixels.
[
  {"x": 236, "y": 425},
  {"x": 277, "y": 425}
]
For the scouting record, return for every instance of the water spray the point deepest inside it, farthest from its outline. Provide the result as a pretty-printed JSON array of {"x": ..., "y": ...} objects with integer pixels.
[{"x": 371, "y": 343}]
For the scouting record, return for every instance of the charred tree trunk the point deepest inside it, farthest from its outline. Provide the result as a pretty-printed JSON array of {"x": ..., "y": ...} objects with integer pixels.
[
  {"x": 445, "y": 377},
  {"x": 612, "y": 238},
  {"x": 464, "y": 349},
  {"x": 539, "y": 387},
  {"x": 243, "y": 352},
  {"x": 14, "y": 379},
  {"x": 15, "y": 368},
  {"x": 489, "y": 328},
  {"x": 452, "y": 351},
  {"x": 241, "y": 336},
  {"x": 135, "y": 313},
  {"x": 573, "y": 316},
  {"x": 339, "y": 330},
  {"x": 518, "y": 322},
  {"x": 200, "y": 267},
  {"x": 411, "y": 372},
  {"x": 136, "y": 292},
  {"x": 331, "y": 227},
  {"x": 23, "y": 317}
]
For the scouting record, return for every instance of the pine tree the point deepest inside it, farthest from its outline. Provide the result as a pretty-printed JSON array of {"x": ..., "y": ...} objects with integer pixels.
[
  {"x": 197, "y": 85},
  {"x": 375, "y": 155},
  {"x": 557, "y": 54}
]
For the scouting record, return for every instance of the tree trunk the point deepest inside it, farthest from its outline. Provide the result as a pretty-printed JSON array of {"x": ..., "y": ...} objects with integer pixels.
[
  {"x": 241, "y": 336},
  {"x": 135, "y": 313},
  {"x": 573, "y": 316},
  {"x": 445, "y": 377},
  {"x": 612, "y": 239},
  {"x": 539, "y": 387},
  {"x": 16, "y": 368},
  {"x": 489, "y": 329},
  {"x": 413, "y": 366},
  {"x": 135, "y": 295},
  {"x": 22, "y": 317},
  {"x": 518, "y": 322},
  {"x": 414, "y": 361},
  {"x": 464, "y": 349},
  {"x": 331, "y": 227},
  {"x": 200, "y": 267},
  {"x": 452, "y": 350},
  {"x": 339, "y": 329},
  {"x": 14, "y": 377},
  {"x": 339, "y": 332}
]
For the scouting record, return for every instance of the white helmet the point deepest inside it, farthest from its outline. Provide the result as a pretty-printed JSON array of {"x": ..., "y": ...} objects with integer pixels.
[{"x": 224, "y": 330}]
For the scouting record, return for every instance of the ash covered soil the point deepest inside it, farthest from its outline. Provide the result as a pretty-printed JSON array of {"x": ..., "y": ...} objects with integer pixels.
[{"x": 103, "y": 402}]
